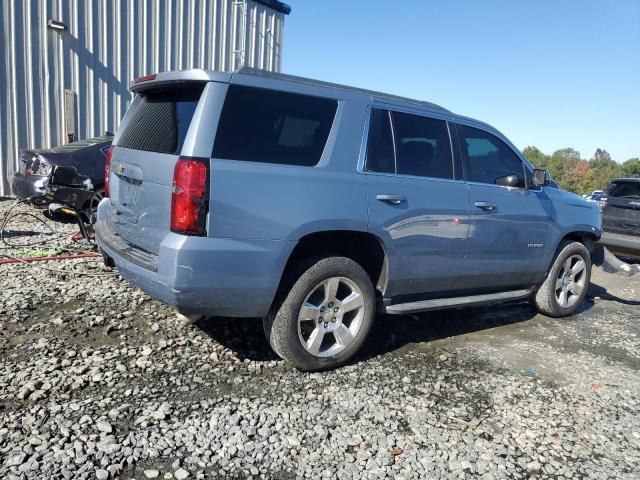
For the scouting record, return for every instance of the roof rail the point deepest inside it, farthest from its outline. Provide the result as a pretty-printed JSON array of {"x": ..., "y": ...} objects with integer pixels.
[{"x": 309, "y": 81}]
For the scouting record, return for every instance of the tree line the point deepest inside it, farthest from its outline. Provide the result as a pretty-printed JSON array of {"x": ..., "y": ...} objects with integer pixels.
[{"x": 579, "y": 175}]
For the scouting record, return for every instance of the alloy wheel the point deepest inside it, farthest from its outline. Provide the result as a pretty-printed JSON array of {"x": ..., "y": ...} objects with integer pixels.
[
  {"x": 570, "y": 281},
  {"x": 331, "y": 316}
]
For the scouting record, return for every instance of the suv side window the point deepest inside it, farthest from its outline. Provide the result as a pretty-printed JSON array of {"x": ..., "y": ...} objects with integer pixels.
[
  {"x": 260, "y": 125},
  {"x": 423, "y": 147},
  {"x": 486, "y": 157},
  {"x": 380, "y": 149}
]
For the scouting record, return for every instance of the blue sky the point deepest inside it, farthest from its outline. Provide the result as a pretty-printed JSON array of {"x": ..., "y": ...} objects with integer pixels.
[{"x": 552, "y": 74}]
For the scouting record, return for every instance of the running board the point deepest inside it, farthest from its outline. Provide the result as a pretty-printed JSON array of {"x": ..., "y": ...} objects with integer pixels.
[{"x": 439, "y": 303}]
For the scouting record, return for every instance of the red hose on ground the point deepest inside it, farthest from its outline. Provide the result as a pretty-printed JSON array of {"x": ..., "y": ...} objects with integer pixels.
[
  {"x": 44, "y": 259},
  {"x": 76, "y": 236}
]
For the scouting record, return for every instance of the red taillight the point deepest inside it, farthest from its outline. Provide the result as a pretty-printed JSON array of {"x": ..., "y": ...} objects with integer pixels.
[
  {"x": 107, "y": 170},
  {"x": 145, "y": 78},
  {"x": 190, "y": 199}
]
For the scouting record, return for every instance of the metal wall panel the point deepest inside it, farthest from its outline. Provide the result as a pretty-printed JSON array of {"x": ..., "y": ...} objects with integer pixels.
[{"x": 107, "y": 43}]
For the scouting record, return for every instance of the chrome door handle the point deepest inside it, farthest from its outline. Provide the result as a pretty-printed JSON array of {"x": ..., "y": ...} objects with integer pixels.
[
  {"x": 489, "y": 207},
  {"x": 391, "y": 199}
]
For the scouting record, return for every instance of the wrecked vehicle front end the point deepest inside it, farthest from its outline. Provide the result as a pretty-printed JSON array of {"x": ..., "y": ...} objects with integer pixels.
[
  {"x": 71, "y": 174},
  {"x": 32, "y": 178},
  {"x": 69, "y": 187}
]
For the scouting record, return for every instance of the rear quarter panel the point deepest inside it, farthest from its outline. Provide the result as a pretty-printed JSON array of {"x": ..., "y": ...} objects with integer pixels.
[{"x": 251, "y": 200}]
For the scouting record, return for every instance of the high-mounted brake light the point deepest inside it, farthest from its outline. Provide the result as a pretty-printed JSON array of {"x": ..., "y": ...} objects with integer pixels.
[
  {"x": 144, "y": 78},
  {"x": 190, "y": 196},
  {"x": 107, "y": 170}
]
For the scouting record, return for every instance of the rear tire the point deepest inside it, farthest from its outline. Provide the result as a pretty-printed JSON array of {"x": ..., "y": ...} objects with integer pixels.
[
  {"x": 91, "y": 206},
  {"x": 324, "y": 314},
  {"x": 567, "y": 281}
]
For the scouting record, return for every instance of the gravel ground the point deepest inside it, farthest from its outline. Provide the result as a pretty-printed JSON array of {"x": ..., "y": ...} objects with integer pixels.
[{"x": 97, "y": 380}]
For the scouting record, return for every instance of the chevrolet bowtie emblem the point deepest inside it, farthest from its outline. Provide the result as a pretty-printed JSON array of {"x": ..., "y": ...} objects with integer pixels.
[{"x": 119, "y": 169}]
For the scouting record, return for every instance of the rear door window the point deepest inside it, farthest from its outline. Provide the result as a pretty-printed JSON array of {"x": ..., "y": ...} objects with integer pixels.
[
  {"x": 423, "y": 147},
  {"x": 408, "y": 145},
  {"x": 260, "y": 125},
  {"x": 161, "y": 118}
]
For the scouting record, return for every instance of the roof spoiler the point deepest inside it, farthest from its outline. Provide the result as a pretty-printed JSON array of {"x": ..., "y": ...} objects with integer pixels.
[{"x": 193, "y": 75}]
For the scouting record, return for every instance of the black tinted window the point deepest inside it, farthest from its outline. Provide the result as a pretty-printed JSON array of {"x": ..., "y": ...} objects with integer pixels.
[
  {"x": 624, "y": 190},
  {"x": 160, "y": 119},
  {"x": 268, "y": 126},
  {"x": 380, "y": 156},
  {"x": 486, "y": 157},
  {"x": 422, "y": 146}
]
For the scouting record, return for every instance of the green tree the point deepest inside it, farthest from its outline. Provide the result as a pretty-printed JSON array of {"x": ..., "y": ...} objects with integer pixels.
[
  {"x": 535, "y": 156},
  {"x": 631, "y": 168},
  {"x": 601, "y": 154},
  {"x": 562, "y": 165},
  {"x": 605, "y": 169},
  {"x": 573, "y": 173}
]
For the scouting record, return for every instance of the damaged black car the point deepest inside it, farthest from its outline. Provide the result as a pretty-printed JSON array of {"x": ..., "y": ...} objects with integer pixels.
[{"x": 71, "y": 174}]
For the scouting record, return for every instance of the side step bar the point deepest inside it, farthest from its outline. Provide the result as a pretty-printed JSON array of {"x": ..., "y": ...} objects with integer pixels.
[{"x": 439, "y": 303}]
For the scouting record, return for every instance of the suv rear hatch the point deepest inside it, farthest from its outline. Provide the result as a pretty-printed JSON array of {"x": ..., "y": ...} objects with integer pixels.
[
  {"x": 147, "y": 148},
  {"x": 621, "y": 211}
]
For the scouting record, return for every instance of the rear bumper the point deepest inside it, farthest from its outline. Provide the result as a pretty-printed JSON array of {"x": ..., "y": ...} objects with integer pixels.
[
  {"x": 201, "y": 275},
  {"x": 625, "y": 245}
]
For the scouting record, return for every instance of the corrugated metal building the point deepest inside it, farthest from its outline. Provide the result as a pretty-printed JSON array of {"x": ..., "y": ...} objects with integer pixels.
[{"x": 65, "y": 65}]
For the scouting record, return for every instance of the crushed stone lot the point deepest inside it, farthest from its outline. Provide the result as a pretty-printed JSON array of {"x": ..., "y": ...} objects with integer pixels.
[{"x": 98, "y": 380}]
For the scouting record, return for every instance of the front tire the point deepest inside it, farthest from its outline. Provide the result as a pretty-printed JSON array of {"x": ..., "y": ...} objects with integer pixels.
[
  {"x": 324, "y": 318},
  {"x": 567, "y": 282}
]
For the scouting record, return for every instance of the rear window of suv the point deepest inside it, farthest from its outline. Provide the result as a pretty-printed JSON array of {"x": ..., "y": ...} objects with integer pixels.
[
  {"x": 624, "y": 190},
  {"x": 260, "y": 125},
  {"x": 160, "y": 118}
]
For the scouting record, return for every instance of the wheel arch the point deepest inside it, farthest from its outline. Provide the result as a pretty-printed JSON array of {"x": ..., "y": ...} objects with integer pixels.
[
  {"x": 586, "y": 237},
  {"x": 583, "y": 236},
  {"x": 365, "y": 248}
]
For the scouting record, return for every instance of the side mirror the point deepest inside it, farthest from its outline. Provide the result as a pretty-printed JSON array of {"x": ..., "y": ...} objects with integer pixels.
[
  {"x": 540, "y": 177},
  {"x": 512, "y": 180}
]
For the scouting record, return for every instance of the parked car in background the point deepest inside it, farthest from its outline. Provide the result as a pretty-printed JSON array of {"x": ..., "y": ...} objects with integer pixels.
[
  {"x": 594, "y": 196},
  {"x": 68, "y": 173},
  {"x": 621, "y": 217},
  {"x": 313, "y": 205}
]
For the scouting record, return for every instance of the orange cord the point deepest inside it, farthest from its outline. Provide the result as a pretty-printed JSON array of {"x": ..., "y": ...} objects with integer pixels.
[{"x": 44, "y": 259}]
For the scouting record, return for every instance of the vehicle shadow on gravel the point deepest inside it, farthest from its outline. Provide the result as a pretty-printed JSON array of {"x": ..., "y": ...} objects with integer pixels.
[
  {"x": 596, "y": 290},
  {"x": 389, "y": 333},
  {"x": 244, "y": 337},
  {"x": 392, "y": 332}
]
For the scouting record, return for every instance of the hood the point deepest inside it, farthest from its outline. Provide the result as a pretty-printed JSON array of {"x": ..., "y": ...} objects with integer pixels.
[{"x": 578, "y": 200}]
